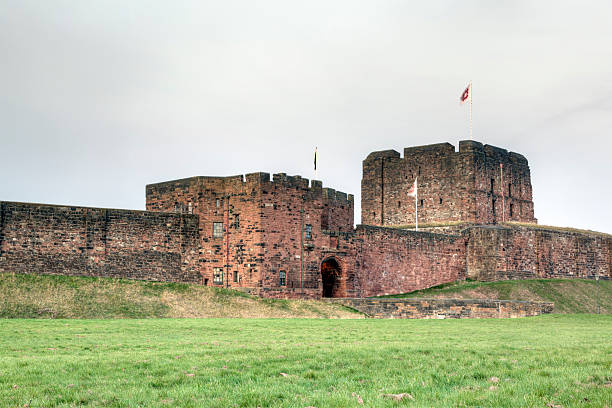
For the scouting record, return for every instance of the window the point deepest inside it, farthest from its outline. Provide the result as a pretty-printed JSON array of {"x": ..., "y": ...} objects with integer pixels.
[
  {"x": 218, "y": 203},
  {"x": 235, "y": 276},
  {"x": 421, "y": 202},
  {"x": 493, "y": 205},
  {"x": 308, "y": 231},
  {"x": 283, "y": 278},
  {"x": 237, "y": 221},
  {"x": 492, "y": 185},
  {"x": 218, "y": 276},
  {"x": 511, "y": 209},
  {"x": 217, "y": 230},
  {"x": 399, "y": 204},
  {"x": 440, "y": 200},
  {"x": 509, "y": 189}
]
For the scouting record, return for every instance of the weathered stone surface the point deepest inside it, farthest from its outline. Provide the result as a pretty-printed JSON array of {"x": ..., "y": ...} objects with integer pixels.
[
  {"x": 389, "y": 308},
  {"x": 279, "y": 226},
  {"x": 523, "y": 252},
  {"x": 285, "y": 237},
  {"x": 467, "y": 185},
  {"x": 65, "y": 240}
]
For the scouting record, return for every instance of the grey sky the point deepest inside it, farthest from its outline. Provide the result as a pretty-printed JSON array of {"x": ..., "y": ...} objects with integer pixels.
[{"x": 99, "y": 98}]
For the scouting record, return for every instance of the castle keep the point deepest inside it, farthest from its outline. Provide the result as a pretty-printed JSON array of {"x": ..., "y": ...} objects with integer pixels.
[
  {"x": 478, "y": 184},
  {"x": 283, "y": 236}
]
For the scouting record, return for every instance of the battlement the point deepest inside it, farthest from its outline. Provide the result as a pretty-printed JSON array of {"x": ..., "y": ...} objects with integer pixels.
[
  {"x": 443, "y": 149},
  {"x": 446, "y": 150},
  {"x": 477, "y": 183},
  {"x": 252, "y": 181}
]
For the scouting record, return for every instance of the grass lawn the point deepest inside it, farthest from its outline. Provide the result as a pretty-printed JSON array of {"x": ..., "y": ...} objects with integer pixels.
[
  {"x": 559, "y": 360},
  {"x": 568, "y": 295}
]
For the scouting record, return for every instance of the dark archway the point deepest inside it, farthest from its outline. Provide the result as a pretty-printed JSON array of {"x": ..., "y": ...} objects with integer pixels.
[{"x": 331, "y": 275}]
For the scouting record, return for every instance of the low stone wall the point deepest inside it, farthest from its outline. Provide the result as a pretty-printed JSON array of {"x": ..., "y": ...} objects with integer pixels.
[{"x": 390, "y": 308}]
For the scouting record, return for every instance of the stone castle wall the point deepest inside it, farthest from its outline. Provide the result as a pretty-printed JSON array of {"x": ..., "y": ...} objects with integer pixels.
[
  {"x": 464, "y": 186},
  {"x": 519, "y": 252},
  {"x": 274, "y": 231},
  {"x": 394, "y": 261},
  {"x": 67, "y": 240},
  {"x": 287, "y": 237}
]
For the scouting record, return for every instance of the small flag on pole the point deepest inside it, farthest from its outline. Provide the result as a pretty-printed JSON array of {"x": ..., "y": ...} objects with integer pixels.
[
  {"x": 315, "y": 160},
  {"x": 466, "y": 94},
  {"x": 414, "y": 192}
]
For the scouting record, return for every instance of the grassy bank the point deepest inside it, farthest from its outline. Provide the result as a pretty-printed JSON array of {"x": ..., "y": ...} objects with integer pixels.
[
  {"x": 569, "y": 295},
  {"x": 36, "y": 296},
  {"x": 553, "y": 360}
]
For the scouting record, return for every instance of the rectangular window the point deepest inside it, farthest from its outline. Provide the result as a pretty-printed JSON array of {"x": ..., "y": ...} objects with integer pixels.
[
  {"x": 509, "y": 189},
  {"x": 492, "y": 185},
  {"x": 511, "y": 209},
  {"x": 237, "y": 221},
  {"x": 217, "y": 230},
  {"x": 283, "y": 278},
  {"x": 236, "y": 276},
  {"x": 308, "y": 231},
  {"x": 399, "y": 204},
  {"x": 218, "y": 203},
  {"x": 421, "y": 203},
  {"x": 218, "y": 276}
]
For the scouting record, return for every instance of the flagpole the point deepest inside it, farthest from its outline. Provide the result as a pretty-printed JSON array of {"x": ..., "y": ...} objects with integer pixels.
[
  {"x": 416, "y": 206},
  {"x": 315, "y": 164},
  {"x": 471, "y": 91}
]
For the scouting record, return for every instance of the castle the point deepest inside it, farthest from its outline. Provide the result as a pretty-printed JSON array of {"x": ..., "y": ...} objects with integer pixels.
[{"x": 284, "y": 236}]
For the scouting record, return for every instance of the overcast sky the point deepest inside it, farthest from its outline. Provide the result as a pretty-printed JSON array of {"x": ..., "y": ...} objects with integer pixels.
[{"x": 100, "y": 98}]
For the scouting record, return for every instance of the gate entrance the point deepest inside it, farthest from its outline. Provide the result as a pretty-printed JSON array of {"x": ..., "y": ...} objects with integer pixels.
[{"x": 331, "y": 275}]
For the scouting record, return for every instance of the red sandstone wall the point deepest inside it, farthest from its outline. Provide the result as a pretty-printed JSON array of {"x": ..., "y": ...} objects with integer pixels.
[
  {"x": 270, "y": 236},
  {"x": 496, "y": 253},
  {"x": 453, "y": 186},
  {"x": 63, "y": 240},
  {"x": 393, "y": 261}
]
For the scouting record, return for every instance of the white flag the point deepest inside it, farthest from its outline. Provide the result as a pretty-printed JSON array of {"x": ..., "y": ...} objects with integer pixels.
[{"x": 413, "y": 190}]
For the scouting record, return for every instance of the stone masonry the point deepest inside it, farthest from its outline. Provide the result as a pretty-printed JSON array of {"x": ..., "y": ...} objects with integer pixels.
[
  {"x": 288, "y": 237},
  {"x": 477, "y": 184}
]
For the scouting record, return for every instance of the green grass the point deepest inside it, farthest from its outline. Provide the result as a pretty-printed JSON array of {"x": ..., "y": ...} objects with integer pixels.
[
  {"x": 38, "y": 296},
  {"x": 556, "y": 228},
  {"x": 561, "y": 360},
  {"x": 569, "y": 295}
]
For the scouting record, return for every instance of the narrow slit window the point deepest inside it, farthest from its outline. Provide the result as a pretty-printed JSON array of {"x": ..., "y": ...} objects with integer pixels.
[
  {"x": 492, "y": 185},
  {"x": 235, "y": 276},
  {"x": 283, "y": 278},
  {"x": 440, "y": 200},
  {"x": 399, "y": 204},
  {"x": 421, "y": 202},
  {"x": 509, "y": 189},
  {"x": 511, "y": 209},
  {"x": 308, "y": 231}
]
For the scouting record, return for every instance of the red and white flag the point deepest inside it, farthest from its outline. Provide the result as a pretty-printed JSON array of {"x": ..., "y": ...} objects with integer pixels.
[
  {"x": 413, "y": 190},
  {"x": 467, "y": 94}
]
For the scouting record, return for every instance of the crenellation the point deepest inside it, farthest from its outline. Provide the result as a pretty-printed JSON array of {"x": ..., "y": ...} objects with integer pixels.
[{"x": 288, "y": 236}]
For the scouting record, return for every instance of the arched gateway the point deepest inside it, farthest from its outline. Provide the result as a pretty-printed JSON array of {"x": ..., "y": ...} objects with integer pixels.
[{"x": 331, "y": 274}]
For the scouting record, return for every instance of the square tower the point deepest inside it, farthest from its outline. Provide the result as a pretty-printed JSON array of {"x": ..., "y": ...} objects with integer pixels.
[{"x": 479, "y": 184}]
